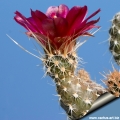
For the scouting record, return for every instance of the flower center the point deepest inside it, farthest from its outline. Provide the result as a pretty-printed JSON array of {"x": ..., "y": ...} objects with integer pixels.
[{"x": 54, "y": 16}]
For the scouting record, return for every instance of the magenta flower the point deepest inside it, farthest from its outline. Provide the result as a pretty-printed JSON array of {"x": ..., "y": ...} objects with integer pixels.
[{"x": 59, "y": 26}]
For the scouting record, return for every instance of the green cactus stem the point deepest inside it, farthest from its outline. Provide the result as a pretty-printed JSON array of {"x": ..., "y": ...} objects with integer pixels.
[
  {"x": 76, "y": 93},
  {"x": 114, "y": 39}
]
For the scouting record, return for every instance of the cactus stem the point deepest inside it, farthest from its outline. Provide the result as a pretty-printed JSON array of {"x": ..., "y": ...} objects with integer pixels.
[{"x": 113, "y": 82}]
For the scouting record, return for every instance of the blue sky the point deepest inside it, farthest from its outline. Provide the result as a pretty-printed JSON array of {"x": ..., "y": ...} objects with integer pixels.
[{"x": 24, "y": 93}]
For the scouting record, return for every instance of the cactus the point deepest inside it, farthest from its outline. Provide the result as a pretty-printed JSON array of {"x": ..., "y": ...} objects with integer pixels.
[
  {"x": 112, "y": 80},
  {"x": 114, "y": 39},
  {"x": 76, "y": 93},
  {"x": 57, "y": 32}
]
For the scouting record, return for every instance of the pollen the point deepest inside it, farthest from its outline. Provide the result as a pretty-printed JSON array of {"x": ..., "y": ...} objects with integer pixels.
[{"x": 54, "y": 16}]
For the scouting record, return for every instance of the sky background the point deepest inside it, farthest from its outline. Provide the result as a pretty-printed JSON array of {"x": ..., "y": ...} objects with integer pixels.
[{"x": 24, "y": 93}]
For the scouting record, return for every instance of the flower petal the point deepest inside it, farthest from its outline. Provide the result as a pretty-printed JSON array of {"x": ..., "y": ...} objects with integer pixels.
[
  {"x": 57, "y": 11},
  {"x": 38, "y": 37},
  {"x": 61, "y": 26},
  {"x": 63, "y": 11},
  {"x": 75, "y": 13},
  {"x": 28, "y": 23},
  {"x": 52, "y": 11},
  {"x": 83, "y": 27},
  {"x": 49, "y": 27},
  {"x": 19, "y": 18},
  {"x": 93, "y": 14},
  {"x": 87, "y": 26},
  {"x": 75, "y": 17},
  {"x": 38, "y": 20},
  {"x": 40, "y": 15}
]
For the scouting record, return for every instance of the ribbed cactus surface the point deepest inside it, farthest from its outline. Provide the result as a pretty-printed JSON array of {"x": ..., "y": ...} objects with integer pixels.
[
  {"x": 77, "y": 92},
  {"x": 115, "y": 38}
]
